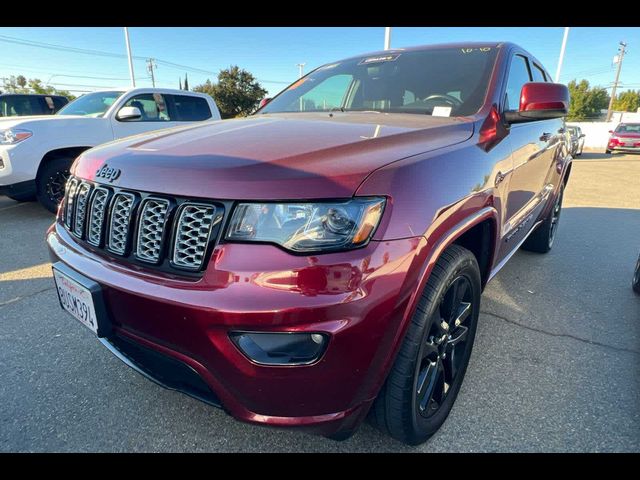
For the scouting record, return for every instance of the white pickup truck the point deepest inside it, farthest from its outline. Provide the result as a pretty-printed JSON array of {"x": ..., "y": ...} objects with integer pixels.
[{"x": 36, "y": 152}]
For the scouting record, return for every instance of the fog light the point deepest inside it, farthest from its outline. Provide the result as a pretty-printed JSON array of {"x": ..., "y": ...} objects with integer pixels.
[{"x": 283, "y": 348}]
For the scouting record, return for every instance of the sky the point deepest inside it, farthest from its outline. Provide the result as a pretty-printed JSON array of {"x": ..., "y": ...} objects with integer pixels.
[{"x": 271, "y": 54}]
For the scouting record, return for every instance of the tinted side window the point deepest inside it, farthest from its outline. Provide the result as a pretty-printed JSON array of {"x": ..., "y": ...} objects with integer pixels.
[
  {"x": 190, "y": 109},
  {"x": 152, "y": 106},
  {"x": 59, "y": 102},
  {"x": 518, "y": 76},
  {"x": 538, "y": 73}
]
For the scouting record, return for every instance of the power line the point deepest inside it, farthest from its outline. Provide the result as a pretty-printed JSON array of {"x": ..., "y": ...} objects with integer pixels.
[{"x": 86, "y": 51}]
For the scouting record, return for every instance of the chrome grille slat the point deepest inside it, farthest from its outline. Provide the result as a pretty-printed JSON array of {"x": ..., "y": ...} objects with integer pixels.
[
  {"x": 193, "y": 229},
  {"x": 153, "y": 217},
  {"x": 118, "y": 233},
  {"x": 97, "y": 212},
  {"x": 72, "y": 185},
  {"x": 81, "y": 200}
]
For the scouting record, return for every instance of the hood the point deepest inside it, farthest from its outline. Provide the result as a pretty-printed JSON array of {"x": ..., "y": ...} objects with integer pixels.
[
  {"x": 276, "y": 156},
  {"x": 28, "y": 120}
]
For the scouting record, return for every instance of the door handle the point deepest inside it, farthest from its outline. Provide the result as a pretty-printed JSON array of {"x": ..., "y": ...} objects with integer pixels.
[{"x": 545, "y": 137}]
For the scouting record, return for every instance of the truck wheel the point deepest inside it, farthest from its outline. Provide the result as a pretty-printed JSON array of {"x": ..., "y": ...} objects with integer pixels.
[
  {"x": 51, "y": 181},
  {"x": 541, "y": 239},
  {"x": 424, "y": 381},
  {"x": 636, "y": 278}
]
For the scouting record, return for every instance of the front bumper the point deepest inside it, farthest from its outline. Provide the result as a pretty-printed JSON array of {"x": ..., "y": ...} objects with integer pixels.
[{"x": 359, "y": 298}]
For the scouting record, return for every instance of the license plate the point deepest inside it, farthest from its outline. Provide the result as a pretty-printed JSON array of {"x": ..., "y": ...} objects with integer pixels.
[{"x": 76, "y": 300}]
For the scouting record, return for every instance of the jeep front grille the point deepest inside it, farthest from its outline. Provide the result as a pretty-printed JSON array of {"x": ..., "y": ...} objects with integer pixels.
[
  {"x": 81, "y": 200},
  {"x": 97, "y": 212},
  {"x": 166, "y": 233},
  {"x": 151, "y": 226},
  {"x": 121, "y": 209},
  {"x": 192, "y": 235},
  {"x": 70, "y": 194}
]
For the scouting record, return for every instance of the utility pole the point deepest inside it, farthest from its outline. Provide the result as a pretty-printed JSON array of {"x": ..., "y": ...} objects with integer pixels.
[
  {"x": 387, "y": 38},
  {"x": 126, "y": 38},
  {"x": 615, "y": 84},
  {"x": 151, "y": 65},
  {"x": 300, "y": 75},
  {"x": 564, "y": 45}
]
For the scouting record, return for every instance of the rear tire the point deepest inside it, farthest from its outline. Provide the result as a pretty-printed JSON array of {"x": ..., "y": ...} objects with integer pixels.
[
  {"x": 541, "y": 239},
  {"x": 51, "y": 181},
  {"x": 426, "y": 376}
]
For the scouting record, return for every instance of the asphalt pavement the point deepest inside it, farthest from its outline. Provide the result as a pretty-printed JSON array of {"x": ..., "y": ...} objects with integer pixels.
[{"x": 555, "y": 366}]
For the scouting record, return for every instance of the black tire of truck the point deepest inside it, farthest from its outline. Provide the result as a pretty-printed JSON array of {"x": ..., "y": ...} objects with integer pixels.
[{"x": 51, "y": 181}]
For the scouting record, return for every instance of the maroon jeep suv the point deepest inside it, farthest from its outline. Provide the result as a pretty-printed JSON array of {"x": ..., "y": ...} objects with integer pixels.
[{"x": 322, "y": 259}]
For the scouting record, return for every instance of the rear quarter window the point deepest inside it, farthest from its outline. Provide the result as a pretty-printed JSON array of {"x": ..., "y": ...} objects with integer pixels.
[{"x": 190, "y": 109}]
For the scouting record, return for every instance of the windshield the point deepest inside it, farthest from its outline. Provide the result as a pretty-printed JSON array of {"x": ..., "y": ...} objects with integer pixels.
[
  {"x": 628, "y": 128},
  {"x": 443, "y": 82},
  {"x": 91, "y": 104}
]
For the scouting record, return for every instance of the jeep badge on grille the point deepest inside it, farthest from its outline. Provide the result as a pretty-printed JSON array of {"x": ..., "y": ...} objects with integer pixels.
[{"x": 108, "y": 173}]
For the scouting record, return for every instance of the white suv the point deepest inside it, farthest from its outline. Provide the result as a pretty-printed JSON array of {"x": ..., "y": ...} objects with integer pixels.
[{"x": 36, "y": 152}]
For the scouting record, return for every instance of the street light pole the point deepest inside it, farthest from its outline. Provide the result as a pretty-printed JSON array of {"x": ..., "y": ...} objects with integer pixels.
[
  {"x": 387, "y": 38},
  {"x": 126, "y": 38},
  {"x": 300, "y": 75},
  {"x": 564, "y": 45},
  {"x": 615, "y": 84}
]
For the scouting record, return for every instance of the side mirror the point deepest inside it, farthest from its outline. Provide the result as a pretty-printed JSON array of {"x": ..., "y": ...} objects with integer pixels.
[
  {"x": 540, "y": 101},
  {"x": 263, "y": 102},
  {"x": 610, "y": 131},
  {"x": 582, "y": 135},
  {"x": 127, "y": 114}
]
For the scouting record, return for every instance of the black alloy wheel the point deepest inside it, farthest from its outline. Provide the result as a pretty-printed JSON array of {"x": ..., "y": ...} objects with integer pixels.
[{"x": 444, "y": 347}]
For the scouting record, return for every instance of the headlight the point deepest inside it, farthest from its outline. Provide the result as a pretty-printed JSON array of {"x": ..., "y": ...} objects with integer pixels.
[
  {"x": 13, "y": 135},
  {"x": 307, "y": 227}
]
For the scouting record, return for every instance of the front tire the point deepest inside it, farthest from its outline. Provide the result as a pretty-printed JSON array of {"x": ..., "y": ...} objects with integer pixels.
[
  {"x": 541, "y": 239},
  {"x": 427, "y": 374},
  {"x": 51, "y": 182}
]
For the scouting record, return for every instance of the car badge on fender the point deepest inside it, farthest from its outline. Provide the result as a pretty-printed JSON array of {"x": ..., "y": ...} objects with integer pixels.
[{"x": 108, "y": 173}]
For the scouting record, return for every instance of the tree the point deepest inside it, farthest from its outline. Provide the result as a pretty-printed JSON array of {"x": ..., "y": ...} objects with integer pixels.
[
  {"x": 586, "y": 102},
  {"x": 20, "y": 84},
  {"x": 237, "y": 92},
  {"x": 186, "y": 82},
  {"x": 628, "y": 101}
]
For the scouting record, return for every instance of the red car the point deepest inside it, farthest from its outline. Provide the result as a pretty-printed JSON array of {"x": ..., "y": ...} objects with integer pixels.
[
  {"x": 324, "y": 258},
  {"x": 625, "y": 138}
]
